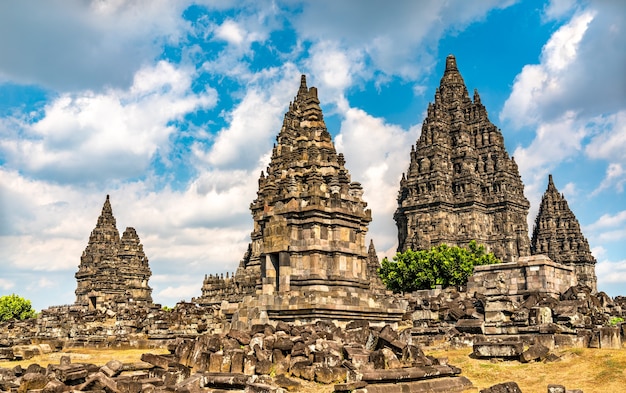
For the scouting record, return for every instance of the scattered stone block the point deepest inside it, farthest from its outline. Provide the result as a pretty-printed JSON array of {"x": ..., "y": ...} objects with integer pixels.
[
  {"x": 536, "y": 352},
  {"x": 508, "y": 349},
  {"x": 506, "y": 387}
]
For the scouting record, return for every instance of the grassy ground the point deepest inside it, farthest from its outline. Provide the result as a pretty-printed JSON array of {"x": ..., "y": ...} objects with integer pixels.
[
  {"x": 94, "y": 356},
  {"x": 592, "y": 370}
]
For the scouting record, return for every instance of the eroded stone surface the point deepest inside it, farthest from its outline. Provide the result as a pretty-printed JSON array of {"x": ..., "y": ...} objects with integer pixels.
[{"x": 461, "y": 184}]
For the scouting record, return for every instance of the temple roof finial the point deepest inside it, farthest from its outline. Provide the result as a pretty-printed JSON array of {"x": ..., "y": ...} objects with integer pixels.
[
  {"x": 303, "y": 88},
  {"x": 451, "y": 63}
]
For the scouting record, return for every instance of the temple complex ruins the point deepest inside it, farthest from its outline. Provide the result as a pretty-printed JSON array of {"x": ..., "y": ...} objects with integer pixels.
[
  {"x": 461, "y": 184},
  {"x": 557, "y": 234},
  {"x": 306, "y": 303},
  {"x": 307, "y": 253},
  {"x": 112, "y": 269}
]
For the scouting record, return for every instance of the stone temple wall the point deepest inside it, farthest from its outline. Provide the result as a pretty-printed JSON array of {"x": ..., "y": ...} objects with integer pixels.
[{"x": 536, "y": 273}]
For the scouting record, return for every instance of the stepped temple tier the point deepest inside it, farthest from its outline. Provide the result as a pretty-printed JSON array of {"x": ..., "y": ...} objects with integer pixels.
[
  {"x": 112, "y": 271},
  {"x": 461, "y": 184},
  {"x": 307, "y": 255},
  {"x": 557, "y": 234}
]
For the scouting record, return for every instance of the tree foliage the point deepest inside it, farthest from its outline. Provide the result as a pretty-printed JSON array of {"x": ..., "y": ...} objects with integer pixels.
[
  {"x": 15, "y": 307},
  {"x": 441, "y": 265}
]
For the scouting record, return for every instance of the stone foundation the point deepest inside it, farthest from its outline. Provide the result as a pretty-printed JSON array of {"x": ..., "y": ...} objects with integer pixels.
[{"x": 532, "y": 274}]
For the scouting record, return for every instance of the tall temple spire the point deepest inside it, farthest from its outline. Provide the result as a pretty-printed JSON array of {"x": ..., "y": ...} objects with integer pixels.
[
  {"x": 307, "y": 247},
  {"x": 461, "y": 184},
  {"x": 557, "y": 233}
]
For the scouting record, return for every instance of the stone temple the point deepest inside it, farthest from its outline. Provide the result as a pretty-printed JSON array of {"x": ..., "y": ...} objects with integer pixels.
[
  {"x": 461, "y": 184},
  {"x": 307, "y": 254},
  {"x": 557, "y": 234},
  {"x": 112, "y": 270}
]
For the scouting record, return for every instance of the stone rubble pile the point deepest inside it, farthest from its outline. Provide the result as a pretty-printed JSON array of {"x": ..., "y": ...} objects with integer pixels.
[
  {"x": 126, "y": 327},
  {"x": 578, "y": 318},
  {"x": 358, "y": 358}
]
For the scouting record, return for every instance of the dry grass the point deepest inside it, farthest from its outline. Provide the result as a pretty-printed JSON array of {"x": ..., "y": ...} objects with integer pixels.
[
  {"x": 592, "y": 370},
  {"x": 94, "y": 356}
]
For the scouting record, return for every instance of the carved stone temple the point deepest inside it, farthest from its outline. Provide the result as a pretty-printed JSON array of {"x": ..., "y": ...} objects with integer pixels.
[
  {"x": 461, "y": 183},
  {"x": 307, "y": 253},
  {"x": 112, "y": 270},
  {"x": 557, "y": 234}
]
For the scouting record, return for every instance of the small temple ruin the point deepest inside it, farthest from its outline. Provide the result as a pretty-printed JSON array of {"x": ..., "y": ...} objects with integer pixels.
[
  {"x": 461, "y": 184},
  {"x": 112, "y": 269},
  {"x": 557, "y": 234}
]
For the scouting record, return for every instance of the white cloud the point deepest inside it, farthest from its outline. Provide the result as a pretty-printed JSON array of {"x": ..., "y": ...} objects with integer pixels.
[
  {"x": 231, "y": 32},
  {"x": 333, "y": 67},
  {"x": 5, "y": 285},
  {"x": 609, "y": 143},
  {"x": 611, "y": 272},
  {"x": 377, "y": 153},
  {"x": 84, "y": 44},
  {"x": 539, "y": 85},
  {"x": 92, "y": 137},
  {"x": 581, "y": 70},
  {"x": 389, "y": 34},
  {"x": 609, "y": 220},
  {"x": 554, "y": 142},
  {"x": 254, "y": 122},
  {"x": 558, "y": 8}
]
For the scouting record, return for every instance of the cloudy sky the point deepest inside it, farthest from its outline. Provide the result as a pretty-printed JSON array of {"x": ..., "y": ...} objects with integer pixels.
[{"x": 172, "y": 107}]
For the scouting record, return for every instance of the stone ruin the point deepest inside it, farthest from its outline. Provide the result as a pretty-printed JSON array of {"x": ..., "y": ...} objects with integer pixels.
[
  {"x": 112, "y": 270},
  {"x": 307, "y": 265},
  {"x": 265, "y": 358},
  {"x": 461, "y": 184},
  {"x": 307, "y": 255},
  {"x": 557, "y": 234}
]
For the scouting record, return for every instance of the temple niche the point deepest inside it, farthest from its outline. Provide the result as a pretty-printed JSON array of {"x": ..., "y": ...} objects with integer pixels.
[
  {"x": 113, "y": 271},
  {"x": 307, "y": 253},
  {"x": 557, "y": 234},
  {"x": 461, "y": 184}
]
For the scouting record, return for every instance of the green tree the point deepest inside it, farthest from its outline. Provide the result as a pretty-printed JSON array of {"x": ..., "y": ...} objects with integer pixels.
[
  {"x": 15, "y": 307},
  {"x": 441, "y": 265}
]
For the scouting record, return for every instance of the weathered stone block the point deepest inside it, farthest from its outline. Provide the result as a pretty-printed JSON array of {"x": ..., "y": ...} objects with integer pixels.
[
  {"x": 32, "y": 381},
  {"x": 498, "y": 349},
  {"x": 610, "y": 337},
  {"x": 328, "y": 375},
  {"x": 556, "y": 388},
  {"x": 471, "y": 326},
  {"x": 215, "y": 362},
  {"x": 506, "y": 387},
  {"x": 535, "y": 352}
]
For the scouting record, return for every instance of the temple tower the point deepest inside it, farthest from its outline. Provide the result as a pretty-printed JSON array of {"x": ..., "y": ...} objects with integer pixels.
[
  {"x": 461, "y": 184},
  {"x": 309, "y": 218},
  {"x": 557, "y": 234},
  {"x": 112, "y": 271},
  {"x": 307, "y": 248}
]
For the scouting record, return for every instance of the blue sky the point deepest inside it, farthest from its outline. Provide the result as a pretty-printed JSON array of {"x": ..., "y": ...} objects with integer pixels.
[{"x": 172, "y": 107}]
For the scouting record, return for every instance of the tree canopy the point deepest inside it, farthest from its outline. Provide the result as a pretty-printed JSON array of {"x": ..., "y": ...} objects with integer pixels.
[
  {"x": 441, "y": 265},
  {"x": 15, "y": 307}
]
